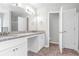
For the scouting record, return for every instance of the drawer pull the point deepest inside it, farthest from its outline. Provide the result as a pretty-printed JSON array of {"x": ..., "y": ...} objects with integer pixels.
[{"x": 15, "y": 49}]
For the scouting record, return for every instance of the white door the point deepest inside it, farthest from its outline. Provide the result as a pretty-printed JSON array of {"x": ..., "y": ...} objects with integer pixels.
[{"x": 69, "y": 28}]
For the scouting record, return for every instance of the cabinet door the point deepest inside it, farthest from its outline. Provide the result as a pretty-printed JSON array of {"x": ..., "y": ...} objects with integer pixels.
[
  {"x": 17, "y": 47},
  {"x": 21, "y": 50}
]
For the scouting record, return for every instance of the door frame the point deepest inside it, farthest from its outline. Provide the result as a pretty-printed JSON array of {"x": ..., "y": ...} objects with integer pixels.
[{"x": 60, "y": 23}]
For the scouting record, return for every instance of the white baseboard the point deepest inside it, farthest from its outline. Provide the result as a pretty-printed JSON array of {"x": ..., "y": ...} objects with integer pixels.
[
  {"x": 54, "y": 42},
  {"x": 46, "y": 46},
  {"x": 51, "y": 42}
]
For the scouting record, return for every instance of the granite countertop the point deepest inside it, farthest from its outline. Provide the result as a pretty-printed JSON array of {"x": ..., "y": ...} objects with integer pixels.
[{"x": 18, "y": 35}]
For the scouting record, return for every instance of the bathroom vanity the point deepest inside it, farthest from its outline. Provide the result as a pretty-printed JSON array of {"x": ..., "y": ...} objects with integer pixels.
[
  {"x": 18, "y": 39},
  {"x": 19, "y": 44}
]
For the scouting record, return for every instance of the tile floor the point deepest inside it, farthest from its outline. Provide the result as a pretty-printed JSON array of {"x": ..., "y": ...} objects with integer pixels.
[{"x": 53, "y": 50}]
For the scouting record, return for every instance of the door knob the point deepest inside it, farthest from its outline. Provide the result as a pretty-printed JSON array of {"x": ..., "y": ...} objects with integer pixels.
[{"x": 64, "y": 31}]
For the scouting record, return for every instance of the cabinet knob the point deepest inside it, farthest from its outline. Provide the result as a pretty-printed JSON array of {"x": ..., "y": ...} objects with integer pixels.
[
  {"x": 13, "y": 50},
  {"x": 16, "y": 48}
]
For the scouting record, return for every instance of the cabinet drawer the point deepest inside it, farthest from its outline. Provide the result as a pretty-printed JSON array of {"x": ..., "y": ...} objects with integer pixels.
[
  {"x": 10, "y": 43},
  {"x": 18, "y": 50}
]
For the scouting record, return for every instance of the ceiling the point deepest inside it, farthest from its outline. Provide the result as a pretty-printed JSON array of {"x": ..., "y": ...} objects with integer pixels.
[{"x": 47, "y": 5}]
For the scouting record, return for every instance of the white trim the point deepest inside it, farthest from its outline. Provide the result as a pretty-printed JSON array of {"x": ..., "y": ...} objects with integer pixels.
[
  {"x": 54, "y": 42},
  {"x": 60, "y": 21},
  {"x": 46, "y": 46}
]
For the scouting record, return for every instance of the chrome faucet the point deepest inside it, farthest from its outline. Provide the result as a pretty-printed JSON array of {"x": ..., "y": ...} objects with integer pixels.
[{"x": 4, "y": 33}]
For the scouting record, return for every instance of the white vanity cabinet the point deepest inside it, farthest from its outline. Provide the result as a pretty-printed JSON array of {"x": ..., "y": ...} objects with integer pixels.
[
  {"x": 15, "y": 47},
  {"x": 18, "y": 46}
]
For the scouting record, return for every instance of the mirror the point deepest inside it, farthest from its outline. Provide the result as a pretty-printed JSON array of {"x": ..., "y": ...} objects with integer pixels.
[
  {"x": 17, "y": 20},
  {"x": 12, "y": 22},
  {"x": 18, "y": 23}
]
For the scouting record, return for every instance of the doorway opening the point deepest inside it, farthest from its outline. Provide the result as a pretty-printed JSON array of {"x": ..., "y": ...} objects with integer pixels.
[{"x": 54, "y": 28}]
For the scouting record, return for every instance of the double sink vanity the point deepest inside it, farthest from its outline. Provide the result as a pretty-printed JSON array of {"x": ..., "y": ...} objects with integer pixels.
[{"x": 18, "y": 44}]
